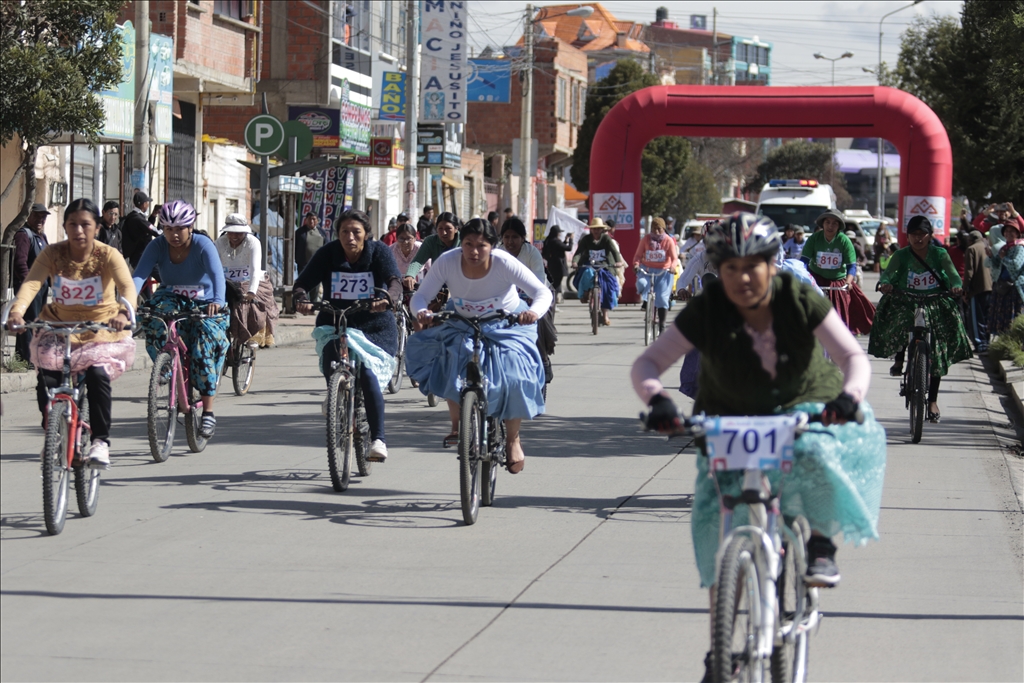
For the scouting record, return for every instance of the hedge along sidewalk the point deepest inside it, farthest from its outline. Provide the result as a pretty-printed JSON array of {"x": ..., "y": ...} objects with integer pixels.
[{"x": 287, "y": 332}]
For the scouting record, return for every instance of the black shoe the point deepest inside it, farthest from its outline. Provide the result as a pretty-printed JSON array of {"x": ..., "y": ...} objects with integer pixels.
[
  {"x": 896, "y": 370},
  {"x": 822, "y": 570},
  {"x": 643, "y": 305}
]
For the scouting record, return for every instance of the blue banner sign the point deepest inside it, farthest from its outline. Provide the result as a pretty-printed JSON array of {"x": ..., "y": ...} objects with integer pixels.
[{"x": 490, "y": 81}]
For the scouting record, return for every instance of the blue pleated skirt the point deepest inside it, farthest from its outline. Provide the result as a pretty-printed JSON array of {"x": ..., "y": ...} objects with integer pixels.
[
  {"x": 662, "y": 287},
  {"x": 437, "y": 358}
]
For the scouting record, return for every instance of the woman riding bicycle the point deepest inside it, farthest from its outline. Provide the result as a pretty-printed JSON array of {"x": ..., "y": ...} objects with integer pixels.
[
  {"x": 481, "y": 278},
  {"x": 191, "y": 281},
  {"x": 922, "y": 268},
  {"x": 405, "y": 246},
  {"x": 85, "y": 274},
  {"x": 350, "y": 268},
  {"x": 832, "y": 260},
  {"x": 254, "y": 309},
  {"x": 446, "y": 237},
  {"x": 658, "y": 252},
  {"x": 597, "y": 248},
  {"x": 760, "y": 334}
]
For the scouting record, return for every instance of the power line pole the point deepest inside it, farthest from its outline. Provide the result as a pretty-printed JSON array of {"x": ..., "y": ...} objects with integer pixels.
[
  {"x": 714, "y": 46},
  {"x": 412, "y": 104},
  {"x": 140, "y": 140},
  {"x": 526, "y": 127}
]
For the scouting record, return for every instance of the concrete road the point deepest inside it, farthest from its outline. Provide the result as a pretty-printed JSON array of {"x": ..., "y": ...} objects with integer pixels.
[{"x": 241, "y": 563}]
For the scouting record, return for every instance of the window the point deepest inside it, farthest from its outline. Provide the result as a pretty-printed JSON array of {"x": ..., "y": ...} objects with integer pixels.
[
  {"x": 762, "y": 56},
  {"x": 235, "y": 9},
  {"x": 231, "y": 205},
  {"x": 575, "y": 102},
  {"x": 741, "y": 52},
  {"x": 212, "y": 226},
  {"x": 388, "y": 29},
  {"x": 562, "y": 88},
  {"x": 583, "y": 104}
]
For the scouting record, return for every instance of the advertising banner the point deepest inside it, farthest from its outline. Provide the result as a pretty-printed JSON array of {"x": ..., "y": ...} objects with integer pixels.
[
  {"x": 355, "y": 124},
  {"x": 324, "y": 124},
  {"x": 443, "y": 72},
  {"x": 119, "y": 102},
  {"x": 384, "y": 152},
  {"x": 327, "y": 196},
  {"x": 490, "y": 81},
  {"x": 161, "y": 84},
  {"x": 932, "y": 208},
  {"x": 392, "y": 96},
  {"x": 616, "y": 206}
]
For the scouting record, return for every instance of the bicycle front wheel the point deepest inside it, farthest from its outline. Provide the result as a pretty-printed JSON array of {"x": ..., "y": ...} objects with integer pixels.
[
  {"x": 55, "y": 468},
  {"x": 243, "y": 370},
  {"x": 469, "y": 455},
  {"x": 161, "y": 413},
  {"x": 650, "y": 316},
  {"x": 87, "y": 479},
  {"x": 194, "y": 423},
  {"x": 339, "y": 430},
  {"x": 595, "y": 307},
  {"x": 737, "y": 615},
  {"x": 361, "y": 436},
  {"x": 918, "y": 386}
]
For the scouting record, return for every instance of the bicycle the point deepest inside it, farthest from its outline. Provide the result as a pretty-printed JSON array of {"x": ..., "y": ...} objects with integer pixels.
[
  {"x": 482, "y": 439},
  {"x": 404, "y": 321},
  {"x": 651, "y": 325},
  {"x": 171, "y": 390},
  {"x": 596, "y": 319},
  {"x": 68, "y": 435},
  {"x": 241, "y": 360},
  {"x": 348, "y": 430},
  {"x": 914, "y": 385},
  {"x": 763, "y": 612}
]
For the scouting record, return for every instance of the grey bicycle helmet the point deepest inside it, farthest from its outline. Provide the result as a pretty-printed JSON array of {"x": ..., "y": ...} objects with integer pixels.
[
  {"x": 177, "y": 214},
  {"x": 742, "y": 234}
]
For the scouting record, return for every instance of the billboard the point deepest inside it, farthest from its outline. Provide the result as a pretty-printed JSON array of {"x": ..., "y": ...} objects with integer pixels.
[
  {"x": 355, "y": 124},
  {"x": 490, "y": 81},
  {"x": 392, "y": 96},
  {"x": 161, "y": 84},
  {"x": 119, "y": 102},
  {"x": 443, "y": 70},
  {"x": 328, "y": 194},
  {"x": 324, "y": 124}
]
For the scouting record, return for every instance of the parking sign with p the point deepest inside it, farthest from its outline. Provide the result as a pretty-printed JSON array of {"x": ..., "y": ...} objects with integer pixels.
[{"x": 264, "y": 134}]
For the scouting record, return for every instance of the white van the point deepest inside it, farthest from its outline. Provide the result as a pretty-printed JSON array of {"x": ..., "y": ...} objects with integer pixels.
[{"x": 796, "y": 202}]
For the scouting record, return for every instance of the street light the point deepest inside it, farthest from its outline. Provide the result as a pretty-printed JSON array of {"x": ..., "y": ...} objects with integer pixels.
[
  {"x": 880, "y": 205},
  {"x": 526, "y": 120},
  {"x": 832, "y": 166}
]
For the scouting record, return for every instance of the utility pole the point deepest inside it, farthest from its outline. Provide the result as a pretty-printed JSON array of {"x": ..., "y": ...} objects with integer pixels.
[
  {"x": 140, "y": 140},
  {"x": 526, "y": 128},
  {"x": 412, "y": 104},
  {"x": 714, "y": 46}
]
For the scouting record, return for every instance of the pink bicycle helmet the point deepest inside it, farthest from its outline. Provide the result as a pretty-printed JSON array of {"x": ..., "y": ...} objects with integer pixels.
[{"x": 177, "y": 214}]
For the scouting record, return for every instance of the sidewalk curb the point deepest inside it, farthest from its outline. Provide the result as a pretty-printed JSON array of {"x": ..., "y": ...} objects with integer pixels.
[
  {"x": 1013, "y": 377},
  {"x": 284, "y": 335}
]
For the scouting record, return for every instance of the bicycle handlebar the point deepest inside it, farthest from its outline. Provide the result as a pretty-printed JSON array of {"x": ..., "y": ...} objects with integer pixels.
[
  {"x": 694, "y": 425},
  {"x": 476, "y": 321},
  {"x": 34, "y": 325}
]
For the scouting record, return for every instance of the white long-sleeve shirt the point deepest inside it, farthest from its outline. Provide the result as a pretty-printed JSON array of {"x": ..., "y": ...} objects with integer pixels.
[
  {"x": 530, "y": 257},
  {"x": 496, "y": 290},
  {"x": 241, "y": 264}
]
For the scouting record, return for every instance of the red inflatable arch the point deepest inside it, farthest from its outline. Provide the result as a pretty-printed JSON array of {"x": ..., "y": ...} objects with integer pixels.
[{"x": 926, "y": 171}]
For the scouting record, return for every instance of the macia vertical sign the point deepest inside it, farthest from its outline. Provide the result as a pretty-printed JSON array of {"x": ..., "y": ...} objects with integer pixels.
[{"x": 443, "y": 72}]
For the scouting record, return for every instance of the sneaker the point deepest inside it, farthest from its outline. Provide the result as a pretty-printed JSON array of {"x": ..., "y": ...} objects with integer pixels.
[
  {"x": 822, "y": 570},
  {"x": 99, "y": 455},
  {"x": 208, "y": 426},
  {"x": 378, "y": 451}
]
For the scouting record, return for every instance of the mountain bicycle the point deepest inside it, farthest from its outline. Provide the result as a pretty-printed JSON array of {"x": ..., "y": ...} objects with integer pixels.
[
  {"x": 482, "y": 439},
  {"x": 68, "y": 434},
  {"x": 651, "y": 325},
  {"x": 596, "y": 319},
  {"x": 348, "y": 430},
  {"x": 763, "y": 612},
  {"x": 241, "y": 360},
  {"x": 171, "y": 390},
  {"x": 404, "y": 320}
]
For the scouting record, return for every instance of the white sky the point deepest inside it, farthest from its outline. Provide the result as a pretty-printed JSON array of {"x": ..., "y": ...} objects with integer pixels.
[{"x": 796, "y": 29}]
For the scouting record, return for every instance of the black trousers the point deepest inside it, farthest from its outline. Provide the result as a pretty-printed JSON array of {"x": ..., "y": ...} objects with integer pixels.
[
  {"x": 373, "y": 399},
  {"x": 97, "y": 384}
]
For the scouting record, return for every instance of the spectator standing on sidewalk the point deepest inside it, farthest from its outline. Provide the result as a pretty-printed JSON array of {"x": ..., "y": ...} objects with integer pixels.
[
  {"x": 29, "y": 242},
  {"x": 110, "y": 226},
  {"x": 308, "y": 239},
  {"x": 136, "y": 230},
  {"x": 425, "y": 227},
  {"x": 977, "y": 288}
]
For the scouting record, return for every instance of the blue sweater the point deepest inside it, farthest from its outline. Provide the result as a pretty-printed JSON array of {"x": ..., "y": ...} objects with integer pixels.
[{"x": 201, "y": 268}]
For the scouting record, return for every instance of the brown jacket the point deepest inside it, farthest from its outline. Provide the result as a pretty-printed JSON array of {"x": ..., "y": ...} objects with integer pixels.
[{"x": 977, "y": 278}]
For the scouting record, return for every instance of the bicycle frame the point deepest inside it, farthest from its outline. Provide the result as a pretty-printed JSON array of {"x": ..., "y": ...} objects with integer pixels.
[{"x": 180, "y": 376}]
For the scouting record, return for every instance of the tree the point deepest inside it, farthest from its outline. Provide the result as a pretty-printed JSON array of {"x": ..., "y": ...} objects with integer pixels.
[
  {"x": 971, "y": 74},
  {"x": 54, "y": 57},
  {"x": 664, "y": 159},
  {"x": 802, "y": 159},
  {"x": 699, "y": 193}
]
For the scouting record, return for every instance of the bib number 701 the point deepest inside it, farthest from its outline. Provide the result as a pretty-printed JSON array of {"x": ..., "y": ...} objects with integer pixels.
[{"x": 739, "y": 443}]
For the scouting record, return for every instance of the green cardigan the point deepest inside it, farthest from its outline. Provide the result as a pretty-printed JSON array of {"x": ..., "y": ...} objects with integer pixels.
[{"x": 732, "y": 381}]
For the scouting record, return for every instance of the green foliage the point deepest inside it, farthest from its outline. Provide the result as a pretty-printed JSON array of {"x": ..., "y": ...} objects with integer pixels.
[
  {"x": 1010, "y": 345},
  {"x": 54, "y": 56},
  {"x": 972, "y": 76},
  {"x": 699, "y": 193},
  {"x": 665, "y": 160},
  {"x": 802, "y": 159}
]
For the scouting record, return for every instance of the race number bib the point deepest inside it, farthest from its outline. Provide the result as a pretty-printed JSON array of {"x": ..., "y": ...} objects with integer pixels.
[
  {"x": 739, "y": 443},
  {"x": 189, "y": 291},
  {"x": 655, "y": 256},
  {"x": 829, "y": 260},
  {"x": 351, "y": 286},
  {"x": 921, "y": 281},
  {"x": 475, "y": 309},
  {"x": 237, "y": 274},
  {"x": 87, "y": 292},
  {"x": 598, "y": 256}
]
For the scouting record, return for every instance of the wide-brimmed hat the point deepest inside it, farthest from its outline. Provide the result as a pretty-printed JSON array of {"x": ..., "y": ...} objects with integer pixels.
[
  {"x": 820, "y": 220},
  {"x": 596, "y": 223},
  {"x": 235, "y": 222}
]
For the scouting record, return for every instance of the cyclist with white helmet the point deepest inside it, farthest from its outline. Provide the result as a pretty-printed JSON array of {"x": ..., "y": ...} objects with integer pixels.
[
  {"x": 192, "y": 279},
  {"x": 760, "y": 334}
]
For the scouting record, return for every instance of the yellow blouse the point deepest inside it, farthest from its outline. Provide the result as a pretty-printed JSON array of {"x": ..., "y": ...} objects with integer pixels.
[{"x": 70, "y": 305}]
